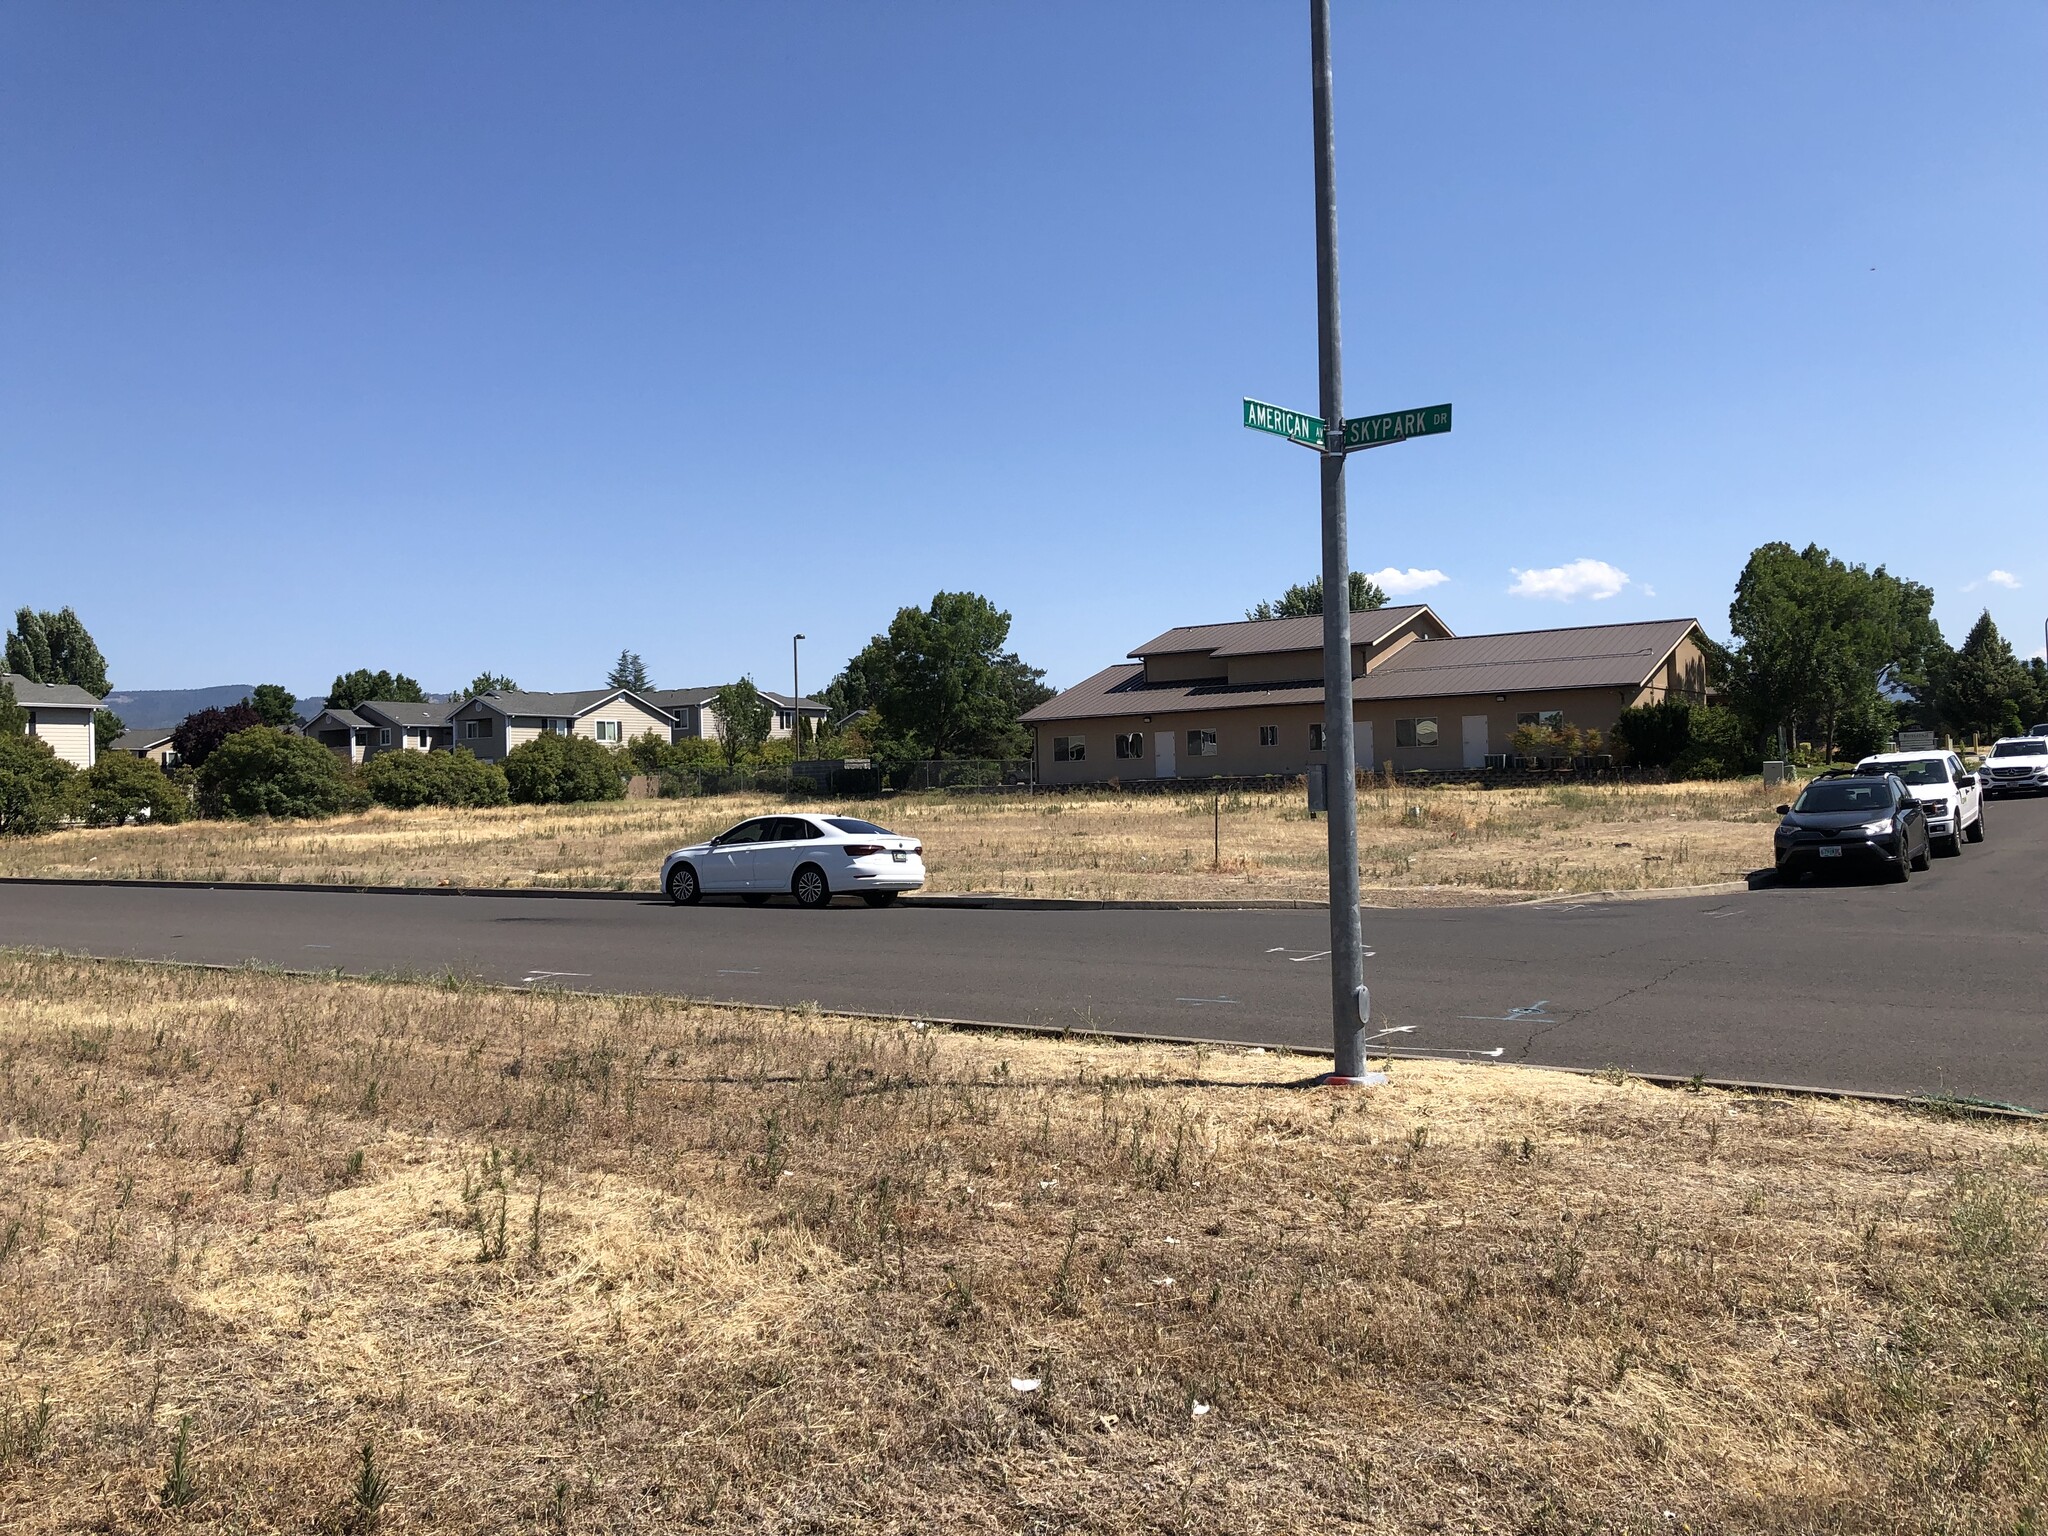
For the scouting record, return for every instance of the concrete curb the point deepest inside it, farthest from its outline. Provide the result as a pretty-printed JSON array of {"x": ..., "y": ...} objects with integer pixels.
[
  {"x": 1983, "y": 1107},
  {"x": 990, "y": 903}
]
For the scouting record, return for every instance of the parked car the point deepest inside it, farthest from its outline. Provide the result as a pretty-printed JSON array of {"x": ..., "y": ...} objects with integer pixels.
[
  {"x": 812, "y": 858},
  {"x": 1947, "y": 791},
  {"x": 1854, "y": 820},
  {"x": 2017, "y": 765}
]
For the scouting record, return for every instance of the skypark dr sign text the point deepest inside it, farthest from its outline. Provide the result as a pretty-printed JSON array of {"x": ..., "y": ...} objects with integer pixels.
[{"x": 1359, "y": 431}]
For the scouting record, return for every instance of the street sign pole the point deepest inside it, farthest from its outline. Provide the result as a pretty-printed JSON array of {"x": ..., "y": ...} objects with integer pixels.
[{"x": 1347, "y": 962}]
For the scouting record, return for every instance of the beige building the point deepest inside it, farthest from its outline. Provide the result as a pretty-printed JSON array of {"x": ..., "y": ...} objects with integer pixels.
[
  {"x": 60, "y": 715},
  {"x": 152, "y": 744},
  {"x": 492, "y": 724},
  {"x": 696, "y": 713},
  {"x": 1246, "y": 698}
]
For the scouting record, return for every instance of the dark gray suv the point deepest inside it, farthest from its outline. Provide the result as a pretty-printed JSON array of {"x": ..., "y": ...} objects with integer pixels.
[{"x": 1847, "y": 821}]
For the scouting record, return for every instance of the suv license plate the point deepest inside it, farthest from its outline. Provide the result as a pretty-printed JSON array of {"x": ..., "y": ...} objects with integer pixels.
[
  {"x": 1831, "y": 853},
  {"x": 899, "y": 856}
]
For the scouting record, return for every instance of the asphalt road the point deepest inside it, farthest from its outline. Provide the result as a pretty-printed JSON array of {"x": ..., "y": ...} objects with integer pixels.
[{"x": 1935, "y": 986}]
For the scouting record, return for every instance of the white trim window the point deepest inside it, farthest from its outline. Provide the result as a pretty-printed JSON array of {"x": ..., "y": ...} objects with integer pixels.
[
  {"x": 383, "y": 735},
  {"x": 1201, "y": 743},
  {"x": 473, "y": 729},
  {"x": 1130, "y": 744},
  {"x": 610, "y": 732}
]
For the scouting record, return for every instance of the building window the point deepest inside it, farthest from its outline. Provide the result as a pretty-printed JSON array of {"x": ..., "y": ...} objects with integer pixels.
[
  {"x": 1549, "y": 719},
  {"x": 1130, "y": 744},
  {"x": 1201, "y": 743},
  {"x": 471, "y": 729},
  {"x": 1069, "y": 749},
  {"x": 785, "y": 719},
  {"x": 1415, "y": 733},
  {"x": 558, "y": 727},
  {"x": 383, "y": 735},
  {"x": 608, "y": 730},
  {"x": 171, "y": 759},
  {"x": 1315, "y": 736},
  {"x": 1269, "y": 735}
]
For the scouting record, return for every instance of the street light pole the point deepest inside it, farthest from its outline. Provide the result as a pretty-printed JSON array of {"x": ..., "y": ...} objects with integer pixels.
[
  {"x": 1348, "y": 1007},
  {"x": 796, "y": 702}
]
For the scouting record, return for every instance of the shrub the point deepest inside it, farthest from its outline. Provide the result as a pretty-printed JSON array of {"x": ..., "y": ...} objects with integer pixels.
[
  {"x": 199, "y": 735},
  {"x": 404, "y": 780},
  {"x": 563, "y": 770},
  {"x": 1653, "y": 735},
  {"x": 658, "y": 755},
  {"x": 264, "y": 772},
  {"x": 1719, "y": 745},
  {"x": 34, "y": 786},
  {"x": 121, "y": 787}
]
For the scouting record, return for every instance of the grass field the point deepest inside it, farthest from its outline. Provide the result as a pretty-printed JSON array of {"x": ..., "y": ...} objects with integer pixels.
[
  {"x": 286, "y": 1254},
  {"x": 1435, "y": 845}
]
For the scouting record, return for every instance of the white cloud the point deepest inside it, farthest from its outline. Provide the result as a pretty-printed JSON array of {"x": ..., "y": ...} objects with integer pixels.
[
  {"x": 2004, "y": 579},
  {"x": 1400, "y": 583},
  {"x": 1564, "y": 583}
]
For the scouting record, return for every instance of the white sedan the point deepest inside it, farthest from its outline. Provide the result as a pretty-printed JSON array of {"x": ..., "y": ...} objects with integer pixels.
[{"x": 813, "y": 858}]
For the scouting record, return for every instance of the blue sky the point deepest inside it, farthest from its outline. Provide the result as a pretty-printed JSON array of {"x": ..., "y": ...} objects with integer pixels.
[{"x": 444, "y": 337}]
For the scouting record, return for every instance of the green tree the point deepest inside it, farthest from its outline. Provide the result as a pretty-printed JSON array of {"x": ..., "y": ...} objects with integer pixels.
[
  {"x": 1300, "y": 601},
  {"x": 200, "y": 733},
  {"x": 629, "y": 671},
  {"x": 13, "y": 718},
  {"x": 123, "y": 787},
  {"x": 106, "y": 727},
  {"x": 939, "y": 683},
  {"x": 363, "y": 686},
  {"x": 744, "y": 719},
  {"x": 55, "y": 648},
  {"x": 488, "y": 682},
  {"x": 564, "y": 770},
  {"x": 1827, "y": 644},
  {"x": 656, "y": 755},
  {"x": 404, "y": 780},
  {"x": 1985, "y": 690},
  {"x": 34, "y": 785},
  {"x": 266, "y": 772},
  {"x": 275, "y": 705},
  {"x": 1653, "y": 735}
]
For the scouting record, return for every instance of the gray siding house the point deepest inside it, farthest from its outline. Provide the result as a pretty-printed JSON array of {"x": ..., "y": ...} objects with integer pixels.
[{"x": 60, "y": 715}]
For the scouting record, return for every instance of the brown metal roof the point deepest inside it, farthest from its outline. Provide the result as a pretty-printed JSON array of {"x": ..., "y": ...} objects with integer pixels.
[
  {"x": 1590, "y": 656},
  {"x": 1527, "y": 661},
  {"x": 1263, "y": 637}
]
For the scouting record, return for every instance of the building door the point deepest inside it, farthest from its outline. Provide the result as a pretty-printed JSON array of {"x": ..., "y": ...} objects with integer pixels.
[
  {"x": 1162, "y": 754},
  {"x": 1361, "y": 746},
  {"x": 1475, "y": 741}
]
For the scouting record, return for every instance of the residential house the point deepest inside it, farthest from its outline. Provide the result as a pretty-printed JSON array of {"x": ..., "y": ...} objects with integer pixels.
[
  {"x": 492, "y": 724},
  {"x": 343, "y": 732},
  {"x": 696, "y": 714},
  {"x": 407, "y": 727},
  {"x": 1246, "y": 698},
  {"x": 59, "y": 714},
  {"x": 154, "y": 744}
]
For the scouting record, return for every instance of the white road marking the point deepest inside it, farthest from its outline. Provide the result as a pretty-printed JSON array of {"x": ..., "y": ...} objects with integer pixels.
[
  {"x": 753, "y": 972},
  {"x": 1200, "y": 1001},
  {"x": 1529, "y": 1013}
]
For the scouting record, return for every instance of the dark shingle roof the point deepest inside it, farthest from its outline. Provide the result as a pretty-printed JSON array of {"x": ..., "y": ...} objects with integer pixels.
[
  {"x": 673, "y": 698},
  {"x": 138, "y": 741},
  {"x": 408, "y": 714},
  {"x": 1262, "y": 637},
  {"x": 58, "y": 695},
  {"x": 1528, "y": 661},
  {"x": 561, "y": 704}
]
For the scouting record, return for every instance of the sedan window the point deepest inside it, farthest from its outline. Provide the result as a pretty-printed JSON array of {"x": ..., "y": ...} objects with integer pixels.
[
  {"x": 790, "y": 830},
  {"x": 745, "y": 832},
  {"x": 855, "y": 824}
]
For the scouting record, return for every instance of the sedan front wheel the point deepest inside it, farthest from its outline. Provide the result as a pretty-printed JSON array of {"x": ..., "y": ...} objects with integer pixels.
[{"x": 683, "y": 889}]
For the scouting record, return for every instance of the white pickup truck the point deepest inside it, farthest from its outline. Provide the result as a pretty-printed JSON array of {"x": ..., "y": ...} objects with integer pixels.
[{"x": 1947, "y": 791}]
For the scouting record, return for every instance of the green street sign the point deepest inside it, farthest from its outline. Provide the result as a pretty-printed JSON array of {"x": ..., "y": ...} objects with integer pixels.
[
  {"x": 1292, "y": 425},
  {"x": 1359, "y": 431},
  {"x": 1395, "y": 426}
]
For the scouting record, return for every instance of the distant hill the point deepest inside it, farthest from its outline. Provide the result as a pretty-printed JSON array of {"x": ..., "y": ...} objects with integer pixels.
[
  {"x": 157, "y": 709},
  {"x": 154, "y": 709}
]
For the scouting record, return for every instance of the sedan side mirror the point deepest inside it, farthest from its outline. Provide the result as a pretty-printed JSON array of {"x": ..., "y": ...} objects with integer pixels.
[{"x": 1784, "y": 810}]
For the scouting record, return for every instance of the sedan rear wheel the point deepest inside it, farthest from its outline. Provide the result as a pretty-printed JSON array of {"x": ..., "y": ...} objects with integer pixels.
[
  {"x": 683, "y": 889},
  {"x": 810, "y": 888},
  {"x": 755, "y": 898},
  {"x": 879, "y": 898}
]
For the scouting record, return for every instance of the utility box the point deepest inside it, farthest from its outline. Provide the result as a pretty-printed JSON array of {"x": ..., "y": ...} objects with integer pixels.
[
  {"x": 1774, "y": 773},
  {"x": 1318, "y": 788}
]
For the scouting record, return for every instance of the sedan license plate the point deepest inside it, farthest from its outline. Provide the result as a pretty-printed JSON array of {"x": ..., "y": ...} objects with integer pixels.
[
  {"x": 899, "y": 856},
  {"x": 1831, "y": 853}
]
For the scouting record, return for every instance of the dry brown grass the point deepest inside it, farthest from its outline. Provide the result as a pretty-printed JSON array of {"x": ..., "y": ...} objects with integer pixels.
[
  {"x": 1415, "y": 845},
  {"x": 593, "y": 1264}
]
